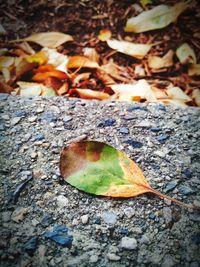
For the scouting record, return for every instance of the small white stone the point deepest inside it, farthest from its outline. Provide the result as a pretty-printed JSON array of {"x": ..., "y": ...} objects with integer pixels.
[
  {"x": 129, "y": 243},
  {"x": 32, "y": 119},
  {"x": 62, "y": 201},
  {"x": 144, "y": 239},
  {"x": 94, "y": 258},
  {"x": 34, "y": 222},
  {"x": 39, "y": 110},
  {"x": 113, "y": 257},
  {"x": 84, "y": 219},
  {"x": 34, "y": 155}
]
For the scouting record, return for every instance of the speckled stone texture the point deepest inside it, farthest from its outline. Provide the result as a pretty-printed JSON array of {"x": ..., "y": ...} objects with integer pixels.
[{"x": 163, "y": 140}]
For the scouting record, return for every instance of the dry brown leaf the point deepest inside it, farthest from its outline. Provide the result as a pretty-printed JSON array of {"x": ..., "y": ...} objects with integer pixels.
[
  {"x": 194, "y": 70},
  {"x": 177, "y": 94},
  {"x": 138, "y": 91},
  {"x": 156, "y": 62},
  {"x": 34, "y": 89},
  {"x": 89, "y": 94},
  {"x": 186, "y": 54},
  {"x": 156, "y": 18},
  {"x": 196, "y": 96},
  {"x": 132, "y": 49},
  {"x": 81, "y": 77},
  {"x": 91, "y": 53},
  {"x": 115, "y": 71},
  {"x": 47, "y": 39},
  {"x": 81, "y": 62},
  {"x": 63, "y": 89}
]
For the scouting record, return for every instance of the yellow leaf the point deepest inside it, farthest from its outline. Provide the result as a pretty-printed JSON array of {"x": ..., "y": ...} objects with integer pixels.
[
  {"x": 156, "y": 62},
  {"x": 104, "y": 35},
  {"x": 47, "y": 39},
  {"x": 156, "y": 18},
  {"x": 135, "y": 50},
  {"x": 39, "y": 57},
  {"x": 144, "y": 3},
  {"x": 186, "y": 54}
]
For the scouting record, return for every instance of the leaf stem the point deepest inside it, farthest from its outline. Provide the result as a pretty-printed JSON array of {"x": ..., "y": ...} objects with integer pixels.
[{"x": 189, "y": 206}]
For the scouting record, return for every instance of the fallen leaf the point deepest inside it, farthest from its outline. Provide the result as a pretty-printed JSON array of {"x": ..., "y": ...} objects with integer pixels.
[
  {"x": 47, "y": 91},
  {"x": 177, "y": 93},
  {"x": 113, "y": 70},
  {"x": 81, "y": 77},
  {"x": 30, "y": 89},
  {"x": 6, "y": 65},
  {"x": 44, "y": 68},
  {"x": 4, "y": 87},
  {"x": 100, "y": 169},
  {"x": 196, "y": 96},
  {"x": 91, "y": 53},
  {"x": 130, "y": 92},
  {"x": 194, "y": 70},
  {"x": 186, "y": 54},
  {"x": 53, "y": 82},
  {"x": 89, "y": 94},
  {"x": 104, "y": 35},
  {"x": 81, "y": 62},
  {"x": 57, "y": 59},
  {"x": 156, "y": 62},
  {"x": 135, "y": 50},
  {"x": 63, "y": 89},
  {"x": 144, "y": 3},
  {"x": 156, "y": 18},
  {"x": 34, "y": 89},
  {"x": 39, "y": 58},
  {"x": 47, "y": 39},
  {"x": 42, "y": 76}
]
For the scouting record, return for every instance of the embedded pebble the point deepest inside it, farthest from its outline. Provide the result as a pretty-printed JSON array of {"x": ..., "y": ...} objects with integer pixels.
[
  {"x": 32, "y": 119},
  {"x": 167, "y": 214},
  {"x": 19, "y": 214},
  {"x": 62, "y": 201},
  {"x": 85, "y": 219},
  {"x": 129, "y": 243},
  {"x": 94, "y": 258},
  {"x": 113, "y": 257},
  {"x": 129, "y": 212},
  {"x": 15, "y": 121},
  {"x": 109, "y": 217}
]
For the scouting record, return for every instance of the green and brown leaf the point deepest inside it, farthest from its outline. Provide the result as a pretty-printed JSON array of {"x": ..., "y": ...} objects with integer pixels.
[{"x": 100, "y": 169}]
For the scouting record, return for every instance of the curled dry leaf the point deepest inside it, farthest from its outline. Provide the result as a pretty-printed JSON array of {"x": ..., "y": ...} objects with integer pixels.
[
  {"x": 63, "y": 89},
  {"x": 156, "y": 62},
  {"x": 194, "y": 70},
  {"x": 41, "y": 76},
  {"x": 134, "y": 92},
  {"x": 81, "y": 62},
  {"x": 100, "y": 169},
  {"x": 104, "y": 35},
  {"x": 91, "y": 53},
  {"x": 186, "y": 54},
  {"x": 135, "y": 50},
  {"x": 47, "y": 39},
  {"x": 156, "y": 18},
  {"x": 177, "y": 94},
  {"x": 115, "y": 71},
  {"x": 56, "y": 59},
  {"x": 89, "y": 94},
  {"x": 34, "y": 89},
  {"x": 196, "y": 96}
]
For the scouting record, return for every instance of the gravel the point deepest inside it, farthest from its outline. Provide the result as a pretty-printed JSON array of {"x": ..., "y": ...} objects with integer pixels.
[{"x": 46, "y": 222}]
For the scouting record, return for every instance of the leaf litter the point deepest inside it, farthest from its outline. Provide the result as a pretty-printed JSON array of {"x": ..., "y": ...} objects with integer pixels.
[
  {"x": 108, "y": 61},
  {"x": 100, "y": 169}
]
